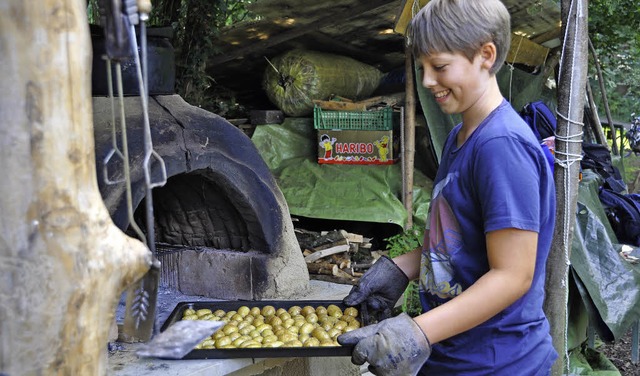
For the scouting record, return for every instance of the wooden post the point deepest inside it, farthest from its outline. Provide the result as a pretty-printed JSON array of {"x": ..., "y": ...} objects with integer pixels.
[
  {"x": 63, "y": 263},
  {"x": 409, "y": 140},
  {"x": 571, "y": 97},
  {"x": 597, "y": 125},
  {"x": 605, "y": 101}
]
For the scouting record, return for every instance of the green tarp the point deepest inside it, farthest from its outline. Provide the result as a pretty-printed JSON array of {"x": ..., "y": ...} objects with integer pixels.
[{"x": 366, "y": 193}]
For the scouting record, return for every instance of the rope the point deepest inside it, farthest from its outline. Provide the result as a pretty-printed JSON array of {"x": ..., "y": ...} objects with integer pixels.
[
  {"x": 566, "y": 164},
  {"x": 512, "y": 68}
]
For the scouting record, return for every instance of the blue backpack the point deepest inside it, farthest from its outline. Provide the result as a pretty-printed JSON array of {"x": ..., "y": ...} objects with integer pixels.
[
  {"x": 542, "y": 122},
  {"x": 623, "y": 213}
]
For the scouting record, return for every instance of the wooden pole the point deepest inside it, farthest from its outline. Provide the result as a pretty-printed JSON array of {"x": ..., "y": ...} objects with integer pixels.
[
  {"x": 595, "y": 119},
  {"x": 409, "y": 141},
  {"x": 571, "y": 98},
  {"x": 605, "y": 101},
  {"x": 63, "y": 263}
]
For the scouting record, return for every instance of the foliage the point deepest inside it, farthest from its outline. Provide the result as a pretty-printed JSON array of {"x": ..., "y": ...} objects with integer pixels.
[
  {"x": 196, "y": 25},
  {"x": 398, "y": 245},
  {"x": 614, "y": 29}
]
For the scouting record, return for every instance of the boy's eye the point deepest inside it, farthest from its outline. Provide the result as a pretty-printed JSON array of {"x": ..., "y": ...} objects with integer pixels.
[{"x": 438, "y": 68}]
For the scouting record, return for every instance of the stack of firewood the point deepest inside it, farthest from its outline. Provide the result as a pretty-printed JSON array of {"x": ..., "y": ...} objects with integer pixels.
[{"x": 336, "y": 256}]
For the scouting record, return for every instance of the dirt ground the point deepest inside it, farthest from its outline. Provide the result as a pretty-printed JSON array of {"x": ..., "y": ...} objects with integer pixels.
[{"x": 619, "y": 353}]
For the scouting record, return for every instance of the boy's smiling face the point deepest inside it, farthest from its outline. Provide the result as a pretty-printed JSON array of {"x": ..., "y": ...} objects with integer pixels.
[{"x": 455, "y": 82}]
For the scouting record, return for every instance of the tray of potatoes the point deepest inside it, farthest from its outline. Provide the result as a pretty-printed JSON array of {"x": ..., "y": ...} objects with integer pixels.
[{"x": 273, "y": 328}]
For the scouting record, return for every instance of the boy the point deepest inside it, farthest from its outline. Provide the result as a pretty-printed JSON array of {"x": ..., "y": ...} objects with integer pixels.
[{"x": 490, "y": 225}]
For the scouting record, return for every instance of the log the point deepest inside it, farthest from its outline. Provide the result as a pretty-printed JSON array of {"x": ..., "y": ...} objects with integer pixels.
[
  {"x": 326, "y": 252},
  {"x": 343, "y": 261},
  {"x": 355, "y": 238},
  {"x": 331, "y": 245},
  {"x": 329, "y": 237},
  {"x": 322, "y": 268},
  {"x": 64, "y": 263}
]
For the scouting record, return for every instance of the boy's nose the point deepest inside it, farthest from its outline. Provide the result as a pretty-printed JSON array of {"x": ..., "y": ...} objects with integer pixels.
[{"x": 428, "y": 79}]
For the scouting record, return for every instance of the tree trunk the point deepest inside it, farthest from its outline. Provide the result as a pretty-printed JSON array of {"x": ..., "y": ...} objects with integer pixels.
[
  {"x": 571, "y": 97},
  {"x": 63, "y": 263}
]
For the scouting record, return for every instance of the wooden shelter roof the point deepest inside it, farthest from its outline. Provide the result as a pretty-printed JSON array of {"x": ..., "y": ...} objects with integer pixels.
[{"x": 369, "y": 31}]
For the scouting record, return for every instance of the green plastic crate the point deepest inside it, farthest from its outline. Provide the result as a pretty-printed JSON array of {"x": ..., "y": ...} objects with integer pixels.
[{"x": 379, "y": 120}]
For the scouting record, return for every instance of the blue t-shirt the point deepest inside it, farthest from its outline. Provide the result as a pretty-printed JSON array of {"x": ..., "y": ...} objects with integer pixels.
[{"x": 499, "y": 178}]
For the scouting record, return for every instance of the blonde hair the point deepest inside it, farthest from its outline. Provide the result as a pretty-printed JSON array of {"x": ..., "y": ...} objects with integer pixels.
[{"x": 461, "y": 26}]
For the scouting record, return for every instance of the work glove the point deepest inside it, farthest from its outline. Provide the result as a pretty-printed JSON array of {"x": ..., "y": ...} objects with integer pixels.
[
  {"x": 378, "y": 290},
  {"x": 393, "y": 347}
]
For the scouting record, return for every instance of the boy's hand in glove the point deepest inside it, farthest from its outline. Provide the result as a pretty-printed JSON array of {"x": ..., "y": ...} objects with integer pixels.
[
  {"x": 393, "y": 347},
  {"x": 379, "y": 288}
]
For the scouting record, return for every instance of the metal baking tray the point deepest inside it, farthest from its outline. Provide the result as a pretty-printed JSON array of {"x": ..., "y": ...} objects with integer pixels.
[{"x": 279, "y": 352}]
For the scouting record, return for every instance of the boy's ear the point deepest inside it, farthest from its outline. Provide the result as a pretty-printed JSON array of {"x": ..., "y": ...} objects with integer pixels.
[{"x": 488, "y": 54}]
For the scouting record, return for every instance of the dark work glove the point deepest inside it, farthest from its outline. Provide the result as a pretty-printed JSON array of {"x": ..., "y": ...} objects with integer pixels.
[
  {"x": 378, "y": 290},
  {"x": 393, "y": 347}
]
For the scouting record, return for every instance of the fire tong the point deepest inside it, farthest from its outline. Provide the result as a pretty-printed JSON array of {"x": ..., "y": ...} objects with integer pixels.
[{"x": 119, "y": 18}]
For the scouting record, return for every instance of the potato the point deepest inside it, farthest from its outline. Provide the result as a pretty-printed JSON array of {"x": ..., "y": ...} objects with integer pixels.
[
  {"x": 244, "y": 311},
  {"x": 190, "y": 317},
  {"x": 303, "y": 338},
  {"x": 255, "y": 333},
  {"x": 307, "y": 328},
  {"x": 320, "y": 334},
  {"x": 351, "y": 311},
  {"x": 188, "y": 311},
  {"x": 275, "y": 321},
  {"x": 247, "y": 329},
  {"x": 269, "y": 339},
  {"x": 328, "y": 343},
  {"x": 294, "y": 310},
  {"x": 208, "y": 343},
  {"x": 229, "y": 328},
  {"x": 268, "y": 310},
  {"x": 254, "y": 311},
  {"x": 333, "y": 308},
  {"x": 287, "y": 336},
  {"x": 219, "y": 313},
  {"x": 311, "y": 342},
  {"x": 321, "y": 310},
  {"x": 334, "y": 333},
  {"x": 240, "y": 340},
  {"x": 250, "y": 345},
  {"x": 263, "y": 327},
  {"x": 234, "y": 336},
  {"x": 340, "y": 325},
  {"x": 203, "y": 311},
  {"x": 274, "y": 344},
  {"x": 280, "y": 311},
  {"x": 307, "y": 310},
  {"x": 222, "y": 341},
  {"x": 293, "y": 343},
  {"x": 237, "y": 317},
  {"x": 312, "y": 317}
]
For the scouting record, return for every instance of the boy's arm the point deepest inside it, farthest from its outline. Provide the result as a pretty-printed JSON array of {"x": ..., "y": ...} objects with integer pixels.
[
  {"x": 512, "y": 259},
  {"x": 409, "y": 263}
]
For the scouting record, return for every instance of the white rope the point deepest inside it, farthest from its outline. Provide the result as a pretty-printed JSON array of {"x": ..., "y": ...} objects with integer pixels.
[
  {"x": 566, "y": 164},
  {"x": 512, "y": 68}
]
